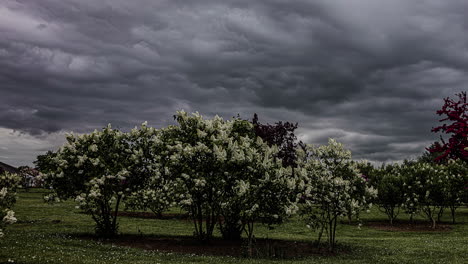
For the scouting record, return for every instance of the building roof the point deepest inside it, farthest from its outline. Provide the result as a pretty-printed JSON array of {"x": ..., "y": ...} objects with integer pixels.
[{"x": 9, "y": 168}]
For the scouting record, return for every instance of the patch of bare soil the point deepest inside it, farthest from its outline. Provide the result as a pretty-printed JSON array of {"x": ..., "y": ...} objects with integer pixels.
[
  {"x": 418, "y": 226},
  {"x": 149, "y": 215},
  {"x": 263, "y": 248},
  {"x": 165, "y": 216}
]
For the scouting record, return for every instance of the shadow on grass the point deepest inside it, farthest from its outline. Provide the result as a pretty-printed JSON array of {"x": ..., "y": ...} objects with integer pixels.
[
  {"x": 149, "y": 215},
  {"x": 408, "y": 226},
  {"x": 263, "y": 248}
]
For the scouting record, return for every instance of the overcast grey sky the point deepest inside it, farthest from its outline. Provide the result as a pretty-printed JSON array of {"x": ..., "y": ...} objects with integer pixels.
[{"x": 369, "y": 73}]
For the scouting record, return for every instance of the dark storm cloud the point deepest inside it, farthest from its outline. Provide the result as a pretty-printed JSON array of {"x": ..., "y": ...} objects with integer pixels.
[{"x": 370, "y": 73}]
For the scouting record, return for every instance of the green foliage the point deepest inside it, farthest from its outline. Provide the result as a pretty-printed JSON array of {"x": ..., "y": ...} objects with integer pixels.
[
  {"x": 93, "y": 170},
  {"x": 420, "y": 187},
  {"x": 455, "y": 185},
  {"x": 223, "y": 175},
  {"x": 331, "y": 187},
  {"x": 220, "y": 169},
  {"x": 9, "y": 182},
  {"x": 38, "y": 237},
  {"x": 44, "y": 163},
  {"x": 390, "y": 187},
  {"x": 148, "y": 162},
  {"x": 424, "y": 189}
]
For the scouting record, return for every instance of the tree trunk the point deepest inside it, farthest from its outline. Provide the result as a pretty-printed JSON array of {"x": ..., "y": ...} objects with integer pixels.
[
  {"x": 200, "y": 222},
  {"x": 332, "y": 233},
  {"x": 249, "y": 230},
  {"x": 440, "y": 214},
  {"x": 114, "y": 219},
  {"x": 452, "y": 211}
]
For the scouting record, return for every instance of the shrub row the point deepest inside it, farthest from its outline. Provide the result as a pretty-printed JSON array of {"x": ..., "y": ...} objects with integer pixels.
[
  {"x": 418, "y": 187},
  {"x": 217, "y": 170}
]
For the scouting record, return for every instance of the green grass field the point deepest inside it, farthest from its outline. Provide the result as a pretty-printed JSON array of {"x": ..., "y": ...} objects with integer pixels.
[{"x": 38, "y": 237}]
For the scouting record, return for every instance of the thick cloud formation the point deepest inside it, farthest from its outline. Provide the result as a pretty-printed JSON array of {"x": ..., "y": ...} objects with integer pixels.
[{"x": 369, "y": 73}]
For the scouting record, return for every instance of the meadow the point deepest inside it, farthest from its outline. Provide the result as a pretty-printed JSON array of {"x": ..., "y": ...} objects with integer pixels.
[{"x": 60, "y": 233}]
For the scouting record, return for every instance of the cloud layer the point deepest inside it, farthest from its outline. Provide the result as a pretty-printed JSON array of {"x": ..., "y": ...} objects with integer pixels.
[{"x": 369, "y": 73}]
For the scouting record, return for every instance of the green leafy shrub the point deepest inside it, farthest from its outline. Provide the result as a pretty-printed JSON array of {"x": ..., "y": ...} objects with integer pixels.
[{"x": 390, "y": 189}]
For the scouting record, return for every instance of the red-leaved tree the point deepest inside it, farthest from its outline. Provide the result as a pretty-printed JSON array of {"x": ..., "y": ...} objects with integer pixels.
[
  {"x": 282, "y": 135},
  {"x": 456, "y": 115}
]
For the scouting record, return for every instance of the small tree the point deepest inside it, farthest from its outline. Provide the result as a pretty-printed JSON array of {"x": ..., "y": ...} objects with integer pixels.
[
  {"x": 456, "y": 178},
  {"x": 368, "y": 172},
  {"x": 45, "y": 162},
  {"x": 390, "y": 189},
  {"x": 281, "y": 135},
  {"x": 259, "y": 189},
  {"x": 221, "y": 169},
  {"x": 456, "y": 113},
  {"x": 263, "y": 191},
  {"x": 8, "y": 184},
  {"x": 93, "y": 169},
  {"x": 157, "y": 191},
  {"x": 192, "y": 160},
  {"x": 424, "y": 190},
  {"x": 429, "y": 156},
  {"x": 328, "y": 180}
]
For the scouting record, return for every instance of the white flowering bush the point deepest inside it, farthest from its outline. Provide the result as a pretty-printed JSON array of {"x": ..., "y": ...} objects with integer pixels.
[
  {"x": 266, "y": 195},
  {"x": 330, "y": 186},
  {"x": 94, "y": 170},
  {"x": 263, "y": 191},
  {"x": 157, "y": 194},
  {"x": 190, "y": 160},
  {"x": 221, "y": 169},
  {"x": 9, "y": 182},
  {"x": 456, "y": 181},
  {"x": 257, "y": 187},
  {"x": 424, "y": 189}
]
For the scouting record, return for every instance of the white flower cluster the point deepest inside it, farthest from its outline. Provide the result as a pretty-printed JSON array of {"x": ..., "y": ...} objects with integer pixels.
[
  {"x": 8, "y": 182},
  {"x": 3, "y": 193},
  {"x": 9, "y": 218}
]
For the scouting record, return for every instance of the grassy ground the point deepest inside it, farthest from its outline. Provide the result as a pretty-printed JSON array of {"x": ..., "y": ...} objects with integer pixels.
[{"x": 50, "y": 234}]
